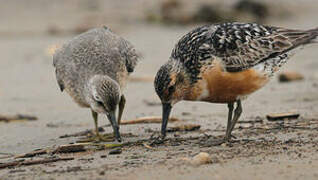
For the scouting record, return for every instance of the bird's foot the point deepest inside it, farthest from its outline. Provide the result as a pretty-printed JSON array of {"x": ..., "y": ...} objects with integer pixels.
[{"x": 156, "y": 139}]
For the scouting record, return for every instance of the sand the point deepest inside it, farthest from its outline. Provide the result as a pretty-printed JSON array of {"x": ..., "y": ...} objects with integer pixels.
[{"x": 28, "y": 86}]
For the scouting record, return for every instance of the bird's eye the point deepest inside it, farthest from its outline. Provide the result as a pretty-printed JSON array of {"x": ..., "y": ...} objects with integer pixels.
[
  {"x": 97, "y": 98},
  {"x": 171, "y": 89},
  {"x": 100, "y": 103}
]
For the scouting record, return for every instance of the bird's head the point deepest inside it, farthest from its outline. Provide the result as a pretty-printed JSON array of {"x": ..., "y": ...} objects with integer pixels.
[
  {"x": 104, "y": 96},
  {"x": 171, "y": 84}
]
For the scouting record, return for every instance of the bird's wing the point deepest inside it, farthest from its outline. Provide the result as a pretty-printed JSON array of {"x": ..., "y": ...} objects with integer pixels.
[
  {"x": 239, "y": 45},
  {"x": 129, "y": 54}
]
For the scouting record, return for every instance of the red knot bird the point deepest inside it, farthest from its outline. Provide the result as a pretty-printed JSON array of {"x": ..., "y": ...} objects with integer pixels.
[
  {"x": 93, "y": 69},
  {"x": 224, "y": 63}
]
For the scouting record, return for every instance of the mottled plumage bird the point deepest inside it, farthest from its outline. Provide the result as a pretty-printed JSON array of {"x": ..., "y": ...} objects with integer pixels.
[
  {"x": 93, "y": 69},
  {"x": 224, "y": 63}
]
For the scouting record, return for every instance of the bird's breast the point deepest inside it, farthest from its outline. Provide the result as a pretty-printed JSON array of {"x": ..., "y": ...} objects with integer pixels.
[{"x": 219, "y": 86}]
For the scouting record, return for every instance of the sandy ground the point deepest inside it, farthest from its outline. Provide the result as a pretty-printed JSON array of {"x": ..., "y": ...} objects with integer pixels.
[{"x": 262, "y": 150}]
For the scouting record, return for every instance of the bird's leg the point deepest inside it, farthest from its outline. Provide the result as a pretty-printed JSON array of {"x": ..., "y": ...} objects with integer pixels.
[
  {"x": 229, "y": 122},
  {"x": 98, "y": 136},
  {"x": 237, "y": 114},
  {"x": 229, "y": 118},
  {"x": 95, "y": 117},
  {"x": 121, "y": 105}
]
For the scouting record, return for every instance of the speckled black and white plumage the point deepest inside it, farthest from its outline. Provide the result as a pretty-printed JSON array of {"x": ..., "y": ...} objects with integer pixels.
[
  {"x": 96, "y": 52},
  {"x": 239, "y": 46},
  {"x": 162, "y": 79},
  {"x": 225, "y": 63}
]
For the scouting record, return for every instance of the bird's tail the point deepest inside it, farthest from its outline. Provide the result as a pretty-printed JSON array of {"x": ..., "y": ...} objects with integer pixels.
[{"x": 132, "y": 58}]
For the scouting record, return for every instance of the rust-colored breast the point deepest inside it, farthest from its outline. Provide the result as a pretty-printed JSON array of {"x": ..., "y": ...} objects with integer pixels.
[{"x": 219, "y": 86}]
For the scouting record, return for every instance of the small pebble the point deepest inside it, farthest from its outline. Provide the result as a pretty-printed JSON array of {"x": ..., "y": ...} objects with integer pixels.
[{"x": 201, "y": 158}]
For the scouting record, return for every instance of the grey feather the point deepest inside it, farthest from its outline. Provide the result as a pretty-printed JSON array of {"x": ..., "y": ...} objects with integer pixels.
[{"x": 95, "y": 52}]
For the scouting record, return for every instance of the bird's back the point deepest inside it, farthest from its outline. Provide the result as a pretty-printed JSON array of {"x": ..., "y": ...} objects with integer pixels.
[
  {"x": 95, "y": 52},
  {"x": 239, "y": 46},
  {"x": 231, "y": 60}
]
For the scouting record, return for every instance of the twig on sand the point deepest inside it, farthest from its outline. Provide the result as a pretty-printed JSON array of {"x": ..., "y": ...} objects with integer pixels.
[
  {"x": 5, "y": 155},
  {"x": 103, "y": 146},
  {"x": 282, "y": 116},
  {"x": 32, "y": 153},
  {"x": 142, "y": 120},
  {"x": 33, "y": 162},
  {"x": 82, "y": 133},
  {"x": 146, "y": 120},
  {"x": 69, "y": 148},
  {"x": 7, "y": 118},
  {"x": 147, "y": 146},
  {"x": 184, "y": 127}
]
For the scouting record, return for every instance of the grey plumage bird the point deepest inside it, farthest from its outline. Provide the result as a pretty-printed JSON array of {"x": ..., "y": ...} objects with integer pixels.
[{"x": 93, "y": 69}]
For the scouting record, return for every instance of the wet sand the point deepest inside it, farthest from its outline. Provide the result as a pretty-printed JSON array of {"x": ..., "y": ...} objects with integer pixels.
[{"x": 28, "y": 86}]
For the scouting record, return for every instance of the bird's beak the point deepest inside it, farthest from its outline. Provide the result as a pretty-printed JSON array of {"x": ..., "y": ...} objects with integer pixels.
[
  {"x": 112, "y": 118},
  {"x": 166, "y": 109}
]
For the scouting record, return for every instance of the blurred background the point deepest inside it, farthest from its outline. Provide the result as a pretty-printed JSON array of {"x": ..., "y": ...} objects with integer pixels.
[{"x": 31, "y": 30}]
